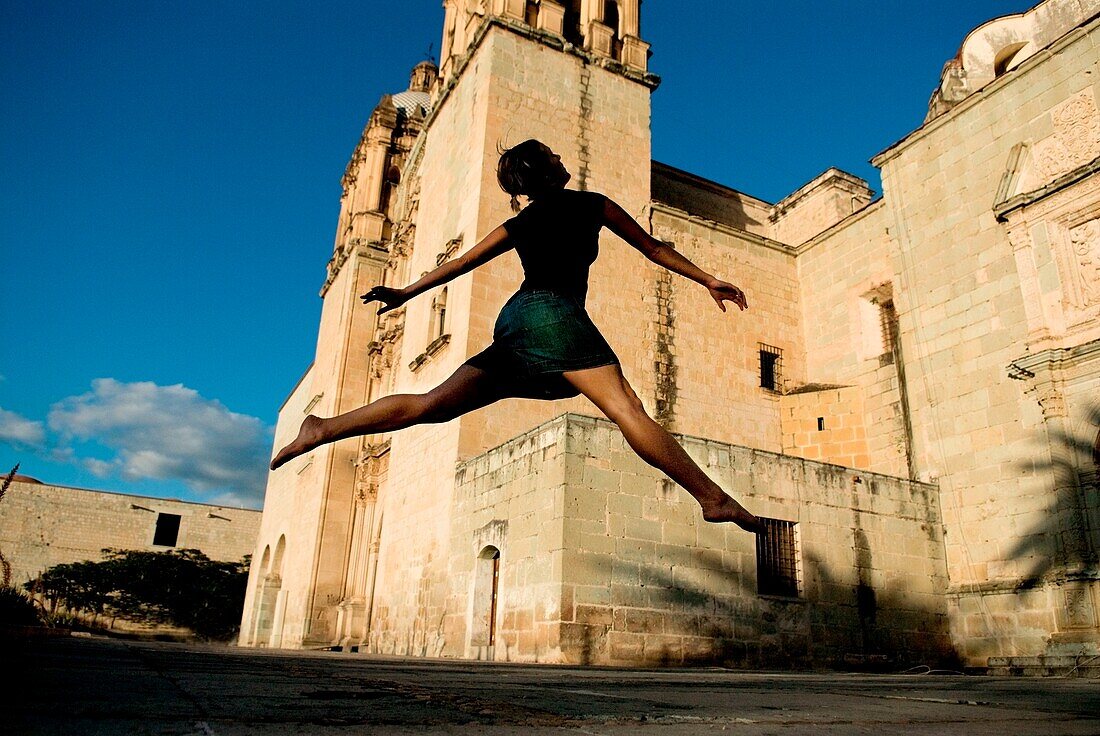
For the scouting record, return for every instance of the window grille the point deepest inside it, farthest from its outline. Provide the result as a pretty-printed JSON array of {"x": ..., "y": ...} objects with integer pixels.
[
  {"x": 888, "y": 318},
  {"x": 493, "y": 602},
  {"x": 771, "y": 365},
  {"x": 167, "y": 531},
  {"x": 777, "y": 564}
]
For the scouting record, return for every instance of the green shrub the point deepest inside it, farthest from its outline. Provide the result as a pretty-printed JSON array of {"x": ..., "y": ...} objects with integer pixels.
[{"x": 17, "y": 608}]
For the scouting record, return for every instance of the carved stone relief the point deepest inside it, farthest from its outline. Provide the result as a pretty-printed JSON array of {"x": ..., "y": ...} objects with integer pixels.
[
  {"x": 1079, "y": 610},
  {"x": 1051, "y": 399},
  {"x": 1075, "y": 140},
  {"x": 1063, "y": 227},
  {"x": 1084, "y": 257}
]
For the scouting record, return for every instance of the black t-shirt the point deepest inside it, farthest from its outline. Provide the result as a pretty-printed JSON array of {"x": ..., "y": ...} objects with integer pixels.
[{"x": 557, "y": 239}]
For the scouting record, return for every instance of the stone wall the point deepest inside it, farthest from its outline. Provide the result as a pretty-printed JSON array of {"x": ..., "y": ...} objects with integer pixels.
[
  {"x": 817, "y": 205},
  {"x": 605, "y": 561},
  {"x": 512, "y": 87},
  {"x": 827, "y": 425},
  {"x": 292, "y": 503},
  {"x": 45, "y": 525},
  {"x": 715, "y": 381},
  {"x": 989, "y": 432},
  {"x": 844, "y": 275},
  {"x": 599, "y": 122}
]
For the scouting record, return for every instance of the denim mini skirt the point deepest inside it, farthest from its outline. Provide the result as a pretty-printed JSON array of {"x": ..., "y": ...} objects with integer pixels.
[{"x": 538, "y": 334}]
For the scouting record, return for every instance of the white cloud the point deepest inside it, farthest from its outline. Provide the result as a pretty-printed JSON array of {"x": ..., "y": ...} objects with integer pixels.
[
  {"x": 98, "y": 468},
  {"x": 168, "y": 433},
  {"x": 19, "y": 430}
]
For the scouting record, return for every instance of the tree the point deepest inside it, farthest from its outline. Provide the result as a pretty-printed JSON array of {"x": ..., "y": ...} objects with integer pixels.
[
  {"x": 5, "y": 566},
  {"x": 181, "y": 587}
]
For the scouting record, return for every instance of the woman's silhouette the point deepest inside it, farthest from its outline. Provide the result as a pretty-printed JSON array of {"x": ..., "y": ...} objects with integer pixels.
[{"x": 545, "y": 346}]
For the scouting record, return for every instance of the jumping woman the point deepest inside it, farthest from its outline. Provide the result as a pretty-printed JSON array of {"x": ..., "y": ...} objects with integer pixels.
[{"x": 545, "y": 346}]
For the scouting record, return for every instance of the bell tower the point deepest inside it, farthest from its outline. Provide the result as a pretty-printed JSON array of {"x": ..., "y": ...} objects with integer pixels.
[
  {"x": 366, "y": 523},
  {"x": 604, "y": 28},
  {"x": 575, "y": 76}
]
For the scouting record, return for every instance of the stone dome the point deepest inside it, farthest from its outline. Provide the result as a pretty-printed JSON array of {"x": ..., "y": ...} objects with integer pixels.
[{"x": 412, "y": 103}]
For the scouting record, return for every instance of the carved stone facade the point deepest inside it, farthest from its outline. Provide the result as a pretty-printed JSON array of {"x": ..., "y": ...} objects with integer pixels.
[{"x": 929, "y": 439}]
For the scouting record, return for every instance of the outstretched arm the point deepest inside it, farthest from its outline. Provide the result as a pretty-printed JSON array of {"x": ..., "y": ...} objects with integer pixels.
[
  {"x": 622, "y": 224},
  {"x": 491, "y": 246}
]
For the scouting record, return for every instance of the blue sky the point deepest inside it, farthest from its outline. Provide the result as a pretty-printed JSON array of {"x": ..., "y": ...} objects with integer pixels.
[{"x": 171, "y": 180}]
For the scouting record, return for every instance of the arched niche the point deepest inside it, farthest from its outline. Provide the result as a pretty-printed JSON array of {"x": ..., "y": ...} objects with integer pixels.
[{"x": 486, "y": 594}]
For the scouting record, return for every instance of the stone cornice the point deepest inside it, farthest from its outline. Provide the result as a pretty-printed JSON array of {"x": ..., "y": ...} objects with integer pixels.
[
  {"x": 433, "y": 347},
  {"x": 1002, "y": 210},
  {"x": 838, "y": 226},
  {"x": 1055, "y": 358},
  {"x": 848, "y": 182},
  {"x": 1010, "y": 586},
  {"x": 723, "y": 228},
  {"x": 562, "y": 421}
]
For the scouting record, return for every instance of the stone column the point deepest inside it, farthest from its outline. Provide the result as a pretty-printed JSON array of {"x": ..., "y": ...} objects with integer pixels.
[
  {"x": 551, "y": 16},
  {"x": 450, "y": 14},
  {"x": 628, "y": 18},
  {"x": 366, "y": 219},
  {"x": 278, "y": 619},
  {"x": 597, "y": 35},
  {"x": 511, "y": 9},
  {"x": 635, "y": 53}
]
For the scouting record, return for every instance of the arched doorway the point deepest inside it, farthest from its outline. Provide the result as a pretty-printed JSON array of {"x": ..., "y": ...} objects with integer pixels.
[
  {"x": 270, "y": 598},
  {"x": 485, "y": 603}
]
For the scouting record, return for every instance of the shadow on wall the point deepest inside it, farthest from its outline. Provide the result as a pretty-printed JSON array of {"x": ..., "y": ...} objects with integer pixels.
[
  {"x": 700, "y": 197},
  {"x": 838, "y": 622},
  {"x": 1065, "y": 544}
]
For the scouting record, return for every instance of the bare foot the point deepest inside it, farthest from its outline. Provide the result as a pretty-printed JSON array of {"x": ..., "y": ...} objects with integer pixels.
[
  {"x": 309, "y": 436},
  {"x": 729, "y": 510}
]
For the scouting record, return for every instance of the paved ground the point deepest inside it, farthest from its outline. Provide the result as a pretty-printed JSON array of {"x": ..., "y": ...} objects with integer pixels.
[{"x": 98, "y": 686}]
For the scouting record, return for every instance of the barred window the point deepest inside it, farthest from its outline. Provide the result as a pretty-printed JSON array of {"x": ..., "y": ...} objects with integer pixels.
[
  {"x": 777, "y": 564},
  {"x": 888, "y": 319},
  {"x": 771, "y": 365}
]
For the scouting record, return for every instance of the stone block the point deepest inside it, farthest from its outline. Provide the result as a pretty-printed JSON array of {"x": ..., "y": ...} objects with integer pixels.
[
  {"x": 678, "y": 534},
  {"x": 625, "y": 647}
]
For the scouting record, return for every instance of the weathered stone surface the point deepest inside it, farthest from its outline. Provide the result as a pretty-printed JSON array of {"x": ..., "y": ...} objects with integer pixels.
[
  {"x": 44, "y": 525},
  {"x": 948, "y": 332}
]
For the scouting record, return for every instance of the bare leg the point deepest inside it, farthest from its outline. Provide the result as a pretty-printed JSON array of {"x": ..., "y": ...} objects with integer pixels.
[
  {"x": 608, "y": 389},
  {"x": 468, "y": 388}
]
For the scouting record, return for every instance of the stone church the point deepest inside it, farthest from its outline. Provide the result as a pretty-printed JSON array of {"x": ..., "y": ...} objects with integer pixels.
[{"x": 912, "y": 400}]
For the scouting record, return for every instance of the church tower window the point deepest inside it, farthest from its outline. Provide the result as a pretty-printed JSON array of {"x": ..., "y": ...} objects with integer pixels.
[
  {"x": 611, "y": 19},
  {"x": 438, "y": 325},
  {"x": 571, "y": 25}
]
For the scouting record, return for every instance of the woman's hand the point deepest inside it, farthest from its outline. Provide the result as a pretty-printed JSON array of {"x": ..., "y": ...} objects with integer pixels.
[
  {"x": 392, "y": 298},
  {"x": 721, "y": 290}
]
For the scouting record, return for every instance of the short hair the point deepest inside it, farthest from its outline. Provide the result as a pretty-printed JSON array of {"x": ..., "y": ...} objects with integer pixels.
[{"x": 524, "y": 169}]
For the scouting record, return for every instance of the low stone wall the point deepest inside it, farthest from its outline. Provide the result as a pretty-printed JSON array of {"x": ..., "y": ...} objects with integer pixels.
[
  {"x": 603, "y": 560},
  {"x": 45, "y": 525}
]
